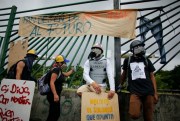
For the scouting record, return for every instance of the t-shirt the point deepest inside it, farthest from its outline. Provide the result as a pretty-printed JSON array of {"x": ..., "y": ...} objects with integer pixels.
[
  {"x": 59, "y": 81},
  {"x": 139, "y": 81}
]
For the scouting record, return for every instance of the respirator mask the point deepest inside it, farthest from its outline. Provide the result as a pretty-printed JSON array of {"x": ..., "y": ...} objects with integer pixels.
[
  {"x": 139, "y": 50},
  {"x": 95, "y": 53}
]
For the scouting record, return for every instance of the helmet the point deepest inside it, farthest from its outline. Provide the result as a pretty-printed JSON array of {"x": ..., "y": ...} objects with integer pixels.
[
  {"x": 135, "y": 43},
  {"x": 32, "y": 52},
  {"x": 97, "y": 45},
  {"x": 60, "y": 58}
]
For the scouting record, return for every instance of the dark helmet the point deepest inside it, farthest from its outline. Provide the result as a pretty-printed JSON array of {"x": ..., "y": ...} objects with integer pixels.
[{"x": 136, "y": 43}]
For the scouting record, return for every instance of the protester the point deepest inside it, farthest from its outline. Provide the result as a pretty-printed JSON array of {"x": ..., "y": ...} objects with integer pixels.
[
  {"x": 141, "y": 82},
  {"x": 96, "y": 70},
  {"x": 22, "y": 69},
  {"x": 55, "y": 79}
]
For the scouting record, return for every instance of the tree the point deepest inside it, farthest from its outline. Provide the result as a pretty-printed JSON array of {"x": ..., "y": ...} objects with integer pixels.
[{"x": 169, "y": 79}]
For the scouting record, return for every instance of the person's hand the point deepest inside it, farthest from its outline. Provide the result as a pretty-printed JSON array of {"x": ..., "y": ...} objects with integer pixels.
[
  {"x": 96, "y": 87},
  {"x": 155, "y": 98},
  {"x": 64, "y": 66},
  {"x": 72, "y": 68},
  {"x": 111, "y": 94},
  {"x": 56, "y": 98}
]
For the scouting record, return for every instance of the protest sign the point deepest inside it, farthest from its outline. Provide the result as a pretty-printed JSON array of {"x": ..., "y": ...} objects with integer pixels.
[
  {"x": 117, "y": 23},
  {"x": 16, "y": 99},
  {"x": 97, "y": 107}
]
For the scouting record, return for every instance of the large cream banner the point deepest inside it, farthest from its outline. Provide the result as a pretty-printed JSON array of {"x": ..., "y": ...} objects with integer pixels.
[{"x": 117, "y": 23}]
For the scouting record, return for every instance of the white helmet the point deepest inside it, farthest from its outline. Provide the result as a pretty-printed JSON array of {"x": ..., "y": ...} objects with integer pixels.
[{"x": 98, "y": 45}]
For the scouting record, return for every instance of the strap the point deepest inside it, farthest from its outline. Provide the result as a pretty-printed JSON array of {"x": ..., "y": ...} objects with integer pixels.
[
  {"x": 146, "y": 61},
  {"x": 129, "y": 59},
  {"x": 127, "y": 81},
  {"x": 59, "y": 72}
]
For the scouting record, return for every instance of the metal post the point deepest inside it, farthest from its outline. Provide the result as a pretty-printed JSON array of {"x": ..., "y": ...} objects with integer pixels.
[
  {"x": 117, "y": 52},
  {"x": 7, "y": 35}
]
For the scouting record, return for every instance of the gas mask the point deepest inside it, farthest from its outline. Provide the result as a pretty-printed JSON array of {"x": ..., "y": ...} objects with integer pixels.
[
  {"x": 139, "y": 50},
  {"x": 95, "y": 53}
]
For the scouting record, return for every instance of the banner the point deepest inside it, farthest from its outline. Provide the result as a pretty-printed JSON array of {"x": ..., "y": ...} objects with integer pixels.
[
  {"x": 117, "y": 23},
  {"x": 16, "y": 99},
  {"x": 97, "y": 107}
]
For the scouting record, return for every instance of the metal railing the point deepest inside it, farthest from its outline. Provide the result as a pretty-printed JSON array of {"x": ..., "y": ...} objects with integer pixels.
[{"x": 77, "y": 48}]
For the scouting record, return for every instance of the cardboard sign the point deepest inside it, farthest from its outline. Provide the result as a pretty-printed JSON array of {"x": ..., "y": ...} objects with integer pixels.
[
  {"x": 117, "y": 23},
  {"x": 97, "y": 107},
  {"x": 16, "y": 99},
  {"x": 17, "y": 51}
]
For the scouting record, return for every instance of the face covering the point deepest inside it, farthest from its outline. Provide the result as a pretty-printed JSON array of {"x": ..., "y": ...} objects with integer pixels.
[
  {"x": 30, "y": 60},
  {"x": 95, "y": 53},
  {"x": 139, "y": 50}
]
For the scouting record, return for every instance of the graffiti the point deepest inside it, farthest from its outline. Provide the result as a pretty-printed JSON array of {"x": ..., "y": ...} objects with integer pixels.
[
  {"x": 20, "y": 100},
  {"x": 67, "y": 28},
  {"x": 19, "y": 90},
  {"x": 14, "y": 89},
  {"x": 70, "y": 25},
  {"x": 8, "y": 115},
  {"x": 79, "y": 24},
  {"x": 66, "y": 107},
  {"x": 3, "y": 100}
]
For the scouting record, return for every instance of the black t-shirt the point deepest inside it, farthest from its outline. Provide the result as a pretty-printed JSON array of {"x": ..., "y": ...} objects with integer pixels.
[
  {"x": 139, "y": 81},
  {"x": 59, "y": 81}
]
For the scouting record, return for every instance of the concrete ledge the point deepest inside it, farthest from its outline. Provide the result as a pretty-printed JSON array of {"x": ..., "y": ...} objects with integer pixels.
[{"x": 167, "y": 109}]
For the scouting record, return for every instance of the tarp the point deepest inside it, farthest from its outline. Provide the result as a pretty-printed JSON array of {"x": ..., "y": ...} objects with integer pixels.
[{"x": 117, "y": 23}]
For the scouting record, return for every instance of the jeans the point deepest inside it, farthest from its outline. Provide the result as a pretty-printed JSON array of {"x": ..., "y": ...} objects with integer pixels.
[{"x": 158, "y": 35}]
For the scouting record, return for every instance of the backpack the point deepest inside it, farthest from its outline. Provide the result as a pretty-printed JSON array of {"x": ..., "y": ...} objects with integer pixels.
[
  {"x": 43, "y": 87},
  {"x": 11, "y": 74}
]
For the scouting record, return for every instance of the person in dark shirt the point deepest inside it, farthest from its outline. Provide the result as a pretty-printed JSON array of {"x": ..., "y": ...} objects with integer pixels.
[
  {"x": 141, "y": 82},
  {"x": 55, "y": 79},
  {"x": 24, "y": 67}
]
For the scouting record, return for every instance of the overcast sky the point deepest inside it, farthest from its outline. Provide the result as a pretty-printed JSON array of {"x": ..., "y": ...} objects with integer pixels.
[{"x": 106, "y": 5}]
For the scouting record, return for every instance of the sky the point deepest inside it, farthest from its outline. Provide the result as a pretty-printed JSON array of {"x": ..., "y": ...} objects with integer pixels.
[{"x": 23, "y": 5}]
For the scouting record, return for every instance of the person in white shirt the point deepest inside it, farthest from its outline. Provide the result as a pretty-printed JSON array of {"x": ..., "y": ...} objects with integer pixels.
[{"x": 96, "y": 70}]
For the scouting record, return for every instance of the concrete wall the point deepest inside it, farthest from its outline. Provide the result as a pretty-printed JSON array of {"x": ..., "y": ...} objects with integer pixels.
[{"x": 167, "y": 109}]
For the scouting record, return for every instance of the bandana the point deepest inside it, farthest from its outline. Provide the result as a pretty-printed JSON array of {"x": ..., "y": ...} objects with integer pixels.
[{"x": 139, "y": 50}]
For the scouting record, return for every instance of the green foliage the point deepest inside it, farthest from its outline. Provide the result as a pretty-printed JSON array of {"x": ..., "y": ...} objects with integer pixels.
[
  {"x": 169, "y": 79},
  {"x": 3, "y": 74},
  {"x": 76, "y": 78},
  {"x": 40, "y": 72}
]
